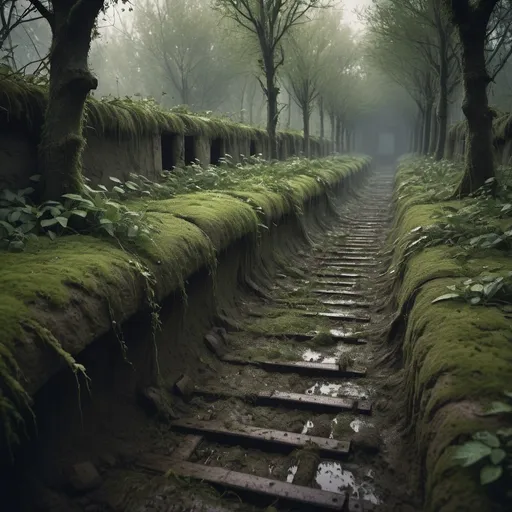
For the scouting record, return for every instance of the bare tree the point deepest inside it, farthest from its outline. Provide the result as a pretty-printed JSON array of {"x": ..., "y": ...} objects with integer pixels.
[{"x": 269, "y": 21}]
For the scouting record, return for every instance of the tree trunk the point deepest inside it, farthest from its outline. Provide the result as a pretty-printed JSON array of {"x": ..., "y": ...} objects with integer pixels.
[
  {"x": 305, "y": 124},
  {"x": 62, "y": 141},
  {"x": 427, "y": 121},
  {"x": 289, "y": 120},
  {"x": 434, "y": 129},
  {"x": 479, "y": 151},
  {"x": 242, "y": 101},
  {"x": 321, "y": 111},
  {"x": 333, "y": 132},
  {"x": 442, "y": 106},
  {"x": 272, "y": 93},
  {"x": 339, "y": 135}
]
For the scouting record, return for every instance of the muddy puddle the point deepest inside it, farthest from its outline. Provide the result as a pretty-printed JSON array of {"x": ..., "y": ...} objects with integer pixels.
[{"x": 331, "y": 476}]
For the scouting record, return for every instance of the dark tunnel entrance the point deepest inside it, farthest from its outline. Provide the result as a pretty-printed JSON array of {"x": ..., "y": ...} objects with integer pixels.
[
  {"x": 215, "y": 151},
  {"x": 190, "y": 150},
  {"x": 168, "y": 143}
]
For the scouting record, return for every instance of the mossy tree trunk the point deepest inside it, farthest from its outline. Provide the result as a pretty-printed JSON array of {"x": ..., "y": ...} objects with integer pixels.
[
  {"x": 434, "y": 130},
  {"x": 271, "y": 92},
  {"x": 332, "y": 119},
  {"x": 471, "y": 20},
  {"x": 62, "y": 142}
]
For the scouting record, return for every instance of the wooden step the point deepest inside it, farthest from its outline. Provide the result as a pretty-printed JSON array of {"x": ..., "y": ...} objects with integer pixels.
[
  {"x": 347, "y": 293},
  {"x": 302, "y": 367},
  {"x": 277, "y": 439},
  {"x": 286, "y": 399},
  {"x": 242, "y": 482},
  {"x": 339, "y": 315}
]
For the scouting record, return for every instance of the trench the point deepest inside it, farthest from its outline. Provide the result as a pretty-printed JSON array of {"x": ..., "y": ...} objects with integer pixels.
[{"x": 265, "y": 393}]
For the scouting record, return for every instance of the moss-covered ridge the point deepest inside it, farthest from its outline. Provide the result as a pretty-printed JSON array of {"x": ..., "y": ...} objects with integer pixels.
[
  {"x": 24, "y": 103},
  {"x": 57, "y": 297},
  {"x": 457, "y": 357}
]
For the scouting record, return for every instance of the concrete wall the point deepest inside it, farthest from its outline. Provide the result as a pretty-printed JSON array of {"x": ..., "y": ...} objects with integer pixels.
[{"x": 109, "y": 156}]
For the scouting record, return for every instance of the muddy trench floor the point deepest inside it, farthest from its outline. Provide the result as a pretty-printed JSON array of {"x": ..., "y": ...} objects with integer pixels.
[{"x": 316, "y": 311}]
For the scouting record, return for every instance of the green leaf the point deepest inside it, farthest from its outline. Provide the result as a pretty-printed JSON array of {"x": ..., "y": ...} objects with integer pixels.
[
  {"x": 105, "y": 221},
  {"x": 51, "y": 234},
  {"x": 505, "y": 432},
  {"x": 489, "y": 474},
  {"x": 498, "y": 408},
  {"x": 14, "y": 216},
  {"x": 446, "y": 296},
  {"x": 74, "y": 197},
  {"x": 477, "y": 288},
  {"x": 115, "y": 180},
  {"x": 35, "y": 178},
  {"x": 109, "y": 228},
  {"x": 8, "y": 227},
  {"x": 119, "y": 190},
  {"x": 497, "y": 455},
  {"x": 487, "y": 438},
  {"x": 102, "y": 187},
  {"x": 475, "y": 300},
  {"x": 80, "y": 213},
  {"x": 131, "y": 185},
  {"x": 48, "y": 222},
  {"x": 471, "y": 452},
  {"x": 27, "y": 227},
  {"x": 62, "y": 221}
]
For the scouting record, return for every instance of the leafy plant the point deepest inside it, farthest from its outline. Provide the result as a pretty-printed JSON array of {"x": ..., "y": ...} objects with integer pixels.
[
  {"x": 490, "y": 290},
  {"x": 492, "y": 452}
]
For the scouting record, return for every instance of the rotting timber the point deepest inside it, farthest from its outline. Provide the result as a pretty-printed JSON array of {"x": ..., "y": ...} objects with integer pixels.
[{"x": 276, "y": 405}]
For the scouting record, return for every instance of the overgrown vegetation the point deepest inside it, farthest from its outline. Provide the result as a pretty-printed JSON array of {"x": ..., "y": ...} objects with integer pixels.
[
  {"x": 189, "y": 216},
  {"x": 451, "y": 267}
]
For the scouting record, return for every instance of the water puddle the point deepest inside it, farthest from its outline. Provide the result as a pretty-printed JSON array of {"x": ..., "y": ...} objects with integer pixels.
[
  {"x": 357, "y": 424},
  {"x": 332, "y": 477},
  {"x": 292, "y": 470},
  {"x": 349, "y": 389},
  {"x": 307, "y": 427}
]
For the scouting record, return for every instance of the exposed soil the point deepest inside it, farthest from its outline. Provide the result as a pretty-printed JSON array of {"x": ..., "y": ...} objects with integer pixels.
[{"x": 336, "y": 275}]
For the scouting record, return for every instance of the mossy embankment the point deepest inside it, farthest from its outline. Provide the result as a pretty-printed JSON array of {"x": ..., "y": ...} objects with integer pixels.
[
  {"x": 457, "y": 357},
  {"x": 56, "y": 298}
]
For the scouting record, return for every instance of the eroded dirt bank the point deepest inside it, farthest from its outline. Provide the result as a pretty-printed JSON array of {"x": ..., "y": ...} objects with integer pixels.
[{"x": 298, "y": 303}]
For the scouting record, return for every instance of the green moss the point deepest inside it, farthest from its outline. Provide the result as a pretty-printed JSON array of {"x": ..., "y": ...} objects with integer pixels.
[
  {"x": 286, "y": 323},
  {"x": 98, "y": 280},
  {"x": 323, "y": 339},
  {"x": 457, "y": 357}
]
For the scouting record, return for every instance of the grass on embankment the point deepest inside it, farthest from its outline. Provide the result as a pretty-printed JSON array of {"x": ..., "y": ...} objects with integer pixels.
[
  {"x": 57, "y": 296},
  {"x": 457, "y": 351}
]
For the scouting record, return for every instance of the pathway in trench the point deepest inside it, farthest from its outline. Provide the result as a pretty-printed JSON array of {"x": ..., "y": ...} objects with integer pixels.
[{"x": 291, "y": 421}]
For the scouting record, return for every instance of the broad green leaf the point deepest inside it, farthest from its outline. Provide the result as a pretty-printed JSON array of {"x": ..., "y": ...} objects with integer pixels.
[
  {"x": 115, "y": 180},
  {"x": 498, "y": 408},
  {"x": 63, "y": 221},
  {"x": 27, "y": 227},
  {"x": 14, "y": 216},
  {"x": 48, "y": 222},
  {"x": 105, "y": 221},
  {"x": 109, "y": 228},
  {"x": 471, "y": 452},
  {"x": 446, "y": 296},
  {"x": 497, "y": 455},
  {"x": 475, "y": 300},
  {"x": 80, "y": 213},
  {"x": 117, "y": 189},
  {"x": 489, "y": 474},
  {"x": 131, "y": 185},
  {"x": 477, "y": 288},
  {"x": 8, "y": 227},
  {"x": 51, "y": 234},
  {"x": 505, "y": 432},
  {"x": 487, "y": 438},
  {"x": 74, "y": 197},
  {"x": 102, "y": 187}
]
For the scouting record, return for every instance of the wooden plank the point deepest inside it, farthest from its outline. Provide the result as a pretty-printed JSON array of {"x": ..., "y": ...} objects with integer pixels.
[
  {"x": 313, "y": 401},
  {"x": 364, "y": 406},
  {"x": 350, "y": 263},
  {"x": 324, "y": 273},
  {"x": 348, "y": 293},
  {"x": 340, "y": 315},
  {"x": 347, "y": 257},
  {"x": 243, "y": 482},
  {"x": 331, "y": 282},
  {"x": 283, "y": 398},
  {"x": 348, "y": 303},
  {"x": 258, "y": 435},
  {"x": 187, "y": 447},
  {"x": 301, "y": 367}
]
